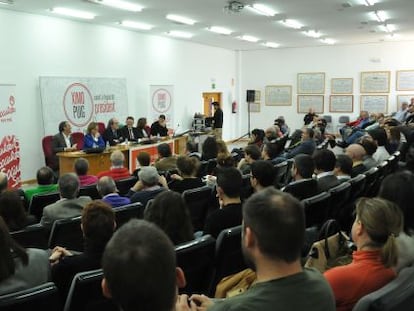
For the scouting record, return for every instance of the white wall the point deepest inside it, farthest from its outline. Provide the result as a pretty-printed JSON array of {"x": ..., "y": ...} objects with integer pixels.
[
  {"x": 34, "y": 46},
  {"x": 274, "y": 67}
]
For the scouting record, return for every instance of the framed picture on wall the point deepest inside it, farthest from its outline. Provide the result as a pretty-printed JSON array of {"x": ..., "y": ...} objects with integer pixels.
[
  {"x": 254, "y": 107},
  {"x": 311, "y": 83},
  {"x": 405, "y": 80},
  {"x": 341, "y": 103},
  {"x": 375, "y": 82},
  {"x": 305, "y": 102},
  {"x": 403, "y": 98},
  {"x": 278, "y": 95},
  {"x": 374, "y": 103},
  {"x": 342, "y": 85}
]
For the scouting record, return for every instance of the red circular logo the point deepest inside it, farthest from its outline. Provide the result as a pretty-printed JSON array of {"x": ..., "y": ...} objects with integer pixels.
[
  {"x": 161, "y": 100},
  {"x": 78, "y": 104}
]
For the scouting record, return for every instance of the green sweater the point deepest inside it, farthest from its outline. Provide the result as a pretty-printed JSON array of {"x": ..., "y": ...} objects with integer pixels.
[{"x": 29, "y": 193}]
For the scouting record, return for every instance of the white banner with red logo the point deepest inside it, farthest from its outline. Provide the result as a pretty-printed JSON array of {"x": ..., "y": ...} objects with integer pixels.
[
  {"x": 9, "y": 143},
  {"x": 162, "y": 102},
  {"x": 81, "y": 101}
]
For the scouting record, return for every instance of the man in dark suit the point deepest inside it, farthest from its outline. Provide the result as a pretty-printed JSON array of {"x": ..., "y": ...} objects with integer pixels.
[
  {"x": 129, "y": 131},
  {"x": 305, "y": 146},
  {"x": 218, "y": 120},
  {"x": 325, "y": 161},
  {"x": 112, "y": 133},
  {"x": 62, "y": 142},
  {"x": 159, "y": 127},
  {"x": 303, "y": 185}
]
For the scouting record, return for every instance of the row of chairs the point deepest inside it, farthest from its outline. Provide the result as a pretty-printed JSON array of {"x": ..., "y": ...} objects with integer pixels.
[{"x": 205, "y": 261}]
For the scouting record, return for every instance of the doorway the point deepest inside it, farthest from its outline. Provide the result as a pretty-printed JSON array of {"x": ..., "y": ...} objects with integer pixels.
[{"x": 208, "y": 98}]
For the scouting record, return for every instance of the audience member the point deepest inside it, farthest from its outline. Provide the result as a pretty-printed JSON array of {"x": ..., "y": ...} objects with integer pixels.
[
  {"x": 273, "y": 152},
  {"x": 188, "y": 168},
  {"x": 370, "y": 148},
  {"x": 410, "y": 118},
  {"x": 166, "y": 160},
  {"x": 263, "y": 175},
  {"x": 222, "y": 148},
  {"x": 117, "y": 170},
  {"x": 402, "y": 114},
  {"x": 13, "y": 212},
  {"x": 107, "y": 190},
  {"x": 98, "y": 225},
  {"x": 3, "y": 182},
  {"x": 229, "y": 183},
  {"x": 20, "y": 268},
  {"x": 308, "y": 118},
  {"x": 112, "y": 133},
  {"x": 324, "y": 169},
  {"x": 251, "y": 154},
  {"x": 209, "y": 149},
  {"x": 282, "y": 283},
  {"x": 343, "y": 168},
  {"x": 154, "y": 285},
  {"x": 353, "y": 130},
  {"x": 303, "y": 185},
  {"x": 159, "y": 128},
  {"x": 69, "y": 205},
  {"x": 61, "y": 142},
  {"x": 270, "y": 135},
  {"x": 170, "y": 212},
  {"x": 129, "y": 132},
  {"x": 356, "y": 152},
  {"x": 143, "y": 159},
  {"x": 306, "y": 145},
  {"x": 223, "y": 161},
  {"x": 45, "y": 183},
  {"x": 380, "y": 138},
  {"x": 256, "y": 138},
  {"x": 81, "y": 169},
  {"x": 144, "y": 131},
  {"x": 399, "y": 188},
  {"x": 93, "y": 138},
  {"x": 284, "y": 128},
  {"x": 377, "y": 224},
  {"x": 191, "y": 150},
  {"x": 148, "y": 186},
  {"x": 218, "y": 120},
  {"x": 393, "y": 139}
]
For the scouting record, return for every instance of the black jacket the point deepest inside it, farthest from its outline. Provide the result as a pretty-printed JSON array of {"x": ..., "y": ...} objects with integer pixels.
[
  {"x": 218, "y": 118},
  {"x": 156, "y": 129},
  {"x": 302, "y": 189},
  {"x": 113, "y": 137}
]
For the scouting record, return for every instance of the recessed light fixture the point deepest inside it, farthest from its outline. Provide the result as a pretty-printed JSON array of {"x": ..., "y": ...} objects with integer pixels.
[
  {"x": 136, "y": 25},
  {"x": 249, "y": 38},
  {"x": 328, "y": 41},
  {"x": 313, "y": 33},
  {"x": 180, "y": 34},
  {"x": 220, "y": 30},
  {"x": 388, "y": 28},
  {"x": 73, "y": 13},
  {"x": 120, "y": 4},
  {"x": 380, "y": 16},
  {"x": 370, "y": 2},
  {"x": 291, "y": 23},
  {"x": 272, "y": 45},
  {"x": 180, "y": 19},
  {"x": 6, "y": 2},
  {"x": 262, "y": 9}
]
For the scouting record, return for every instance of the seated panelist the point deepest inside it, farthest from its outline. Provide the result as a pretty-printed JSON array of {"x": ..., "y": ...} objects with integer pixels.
[
  {"x": 129, "y": 131},
  {"x": 93, "y": 139},
  {"x": 62, "y": 141},
  {"x": 112, "y": 133}
]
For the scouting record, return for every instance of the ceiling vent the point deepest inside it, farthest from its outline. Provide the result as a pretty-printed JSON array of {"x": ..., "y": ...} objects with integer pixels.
[{"x": 234, "y": 7}]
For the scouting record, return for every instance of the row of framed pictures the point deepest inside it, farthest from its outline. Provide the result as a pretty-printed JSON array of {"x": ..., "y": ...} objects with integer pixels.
[{"x": 340, "y": 103}]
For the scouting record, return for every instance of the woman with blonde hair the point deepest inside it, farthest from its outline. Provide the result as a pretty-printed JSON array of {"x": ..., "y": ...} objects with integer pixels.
[
  {"x": 93, "y": 138},
  {"x": 378, "y": 222}
]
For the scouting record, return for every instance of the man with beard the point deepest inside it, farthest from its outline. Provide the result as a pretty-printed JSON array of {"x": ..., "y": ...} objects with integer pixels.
[{"x": 272, "y": 239}]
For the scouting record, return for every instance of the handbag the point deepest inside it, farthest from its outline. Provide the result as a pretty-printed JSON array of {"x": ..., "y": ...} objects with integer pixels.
[
  {"x": 334, "y": 248},
  {"x": 235, "y": 284}
]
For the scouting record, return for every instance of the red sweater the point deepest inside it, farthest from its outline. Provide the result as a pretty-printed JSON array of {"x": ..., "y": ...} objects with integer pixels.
[
  {"x": 116, "y": 173},
  {"x": 364, "y": 275}
]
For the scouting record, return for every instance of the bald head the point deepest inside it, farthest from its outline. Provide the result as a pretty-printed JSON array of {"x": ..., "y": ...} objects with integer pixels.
[
  {"x": 3, "y": 182},
  {"x": 356, "y": 152}
]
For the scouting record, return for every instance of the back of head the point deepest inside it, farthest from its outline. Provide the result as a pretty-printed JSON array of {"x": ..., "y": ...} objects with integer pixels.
[
  {"x": 45, "y": 176},
  {"x": 324, "y": 160},
  {"x": 169, "y": 212},
  {"x": 310, "y": 132},
  {"x": 379, "y": 135},
  {"x": 98, "y": 223},
  {"x": 272, "y": 150},
  {"x": 271, "y": 212},
  {"x": 191, "y": 146},
  {"x": 253, "y": 151},
  {"x": 69, "y": 186},
  {"x": 230, "y": 181},
  {"x": 140, "y": 268},
  {"x": 304, "y": 165},
  {"x": 117, "y": 158},
  {"x": 344, "y": 163},
  {"x": 263, "y": 171},
  {"x": 356, "y": 152},
  {"x": 12, "y": 210},
  {"x": 148, "y": 175},
  {"x": 399, "y": 188},
  {"x": 222, "y": 147},
  {"x": 106, "y": 185},
  {"x": 144, "y": 158},
  {"x": 225, "y": 160},
  {"x": 164, "y": 150},
  {"x": 382, "y": 221},
  {"x": 81, "y": 166},
  {"x": 369, "y": 145},
  {"x": 209, "y": 148},
  {"x": 3, "y": 182},
  {"x": 188, "y": 166}
]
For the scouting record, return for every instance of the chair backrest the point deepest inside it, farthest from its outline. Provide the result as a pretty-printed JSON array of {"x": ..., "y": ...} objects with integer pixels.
[
  {"x": 392, "y": 164},
  {"x": 101, "y": 127},
  {"x": 34, "y": 236},
  {"x": 198, "y": 200},
  {"x": 246, "y": 189},
  {"x": 288, "y": 175},
  {"x": 77, "y": 138},
  {"x": 196, "y": 258},
  {"x": 124, "y": 213},
  {"x": 67, "y": 233},
  {"x": 39, "y": 201},
  {"x": 343, "y": 119},
  {"x": 85, "y": 293},
  {"x": 339, "y": 198},
  {"x": 47, "y": 150},
  {"x": 316, "y": 209},
  {"x": 229, "y": 257},
  {"x": 123, "y": 185},
  {"x": 202, "y": 170},
  {"x": 44, "y": 297},
  {"x": 280, "y": 173},
  {"x": 357, "y": 186},
  {"x": 90, "y": 191},
  {"x": 327, "y": 118},
  {"x": 395, "y": 296},
  {"x": 371, "y": 181}
]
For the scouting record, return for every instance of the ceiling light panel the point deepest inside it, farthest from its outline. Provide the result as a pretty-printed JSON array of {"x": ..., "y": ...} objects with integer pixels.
[
  {"x": 120, "y": 4},
  {"x": 249, "y": 38},
  {"x": 220, "y": 30},
  {"x": 272, "y": 45},
  {"x": 291, "y": 23},
  {"x": 312, "y": 34},
  {"x": 370, "y": 2},
  {"x": 180, "y": 34},
  {"x": 73, "y": 13},
  {"x": 136, "y": 25},
  {"x": 180, "y": 19},
  {"x": 328, "y": 41},
  {"x": 262, "y": 9},
  {"x": 380, "y": 16}
]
